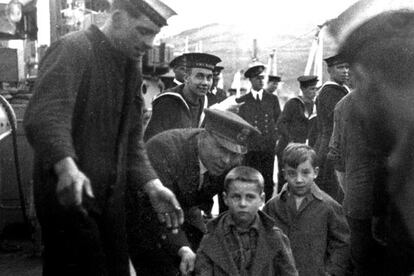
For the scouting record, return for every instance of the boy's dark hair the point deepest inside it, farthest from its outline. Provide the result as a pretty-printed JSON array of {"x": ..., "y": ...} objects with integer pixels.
[
  {"x": 295, "y": 154},
  {"x": 244, "y": 174}
]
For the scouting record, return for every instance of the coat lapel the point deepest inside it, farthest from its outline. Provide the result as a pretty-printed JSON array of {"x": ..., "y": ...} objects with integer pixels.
[
  {"x": 219, "y": 254},
  {"x": 267, "y": 252}
]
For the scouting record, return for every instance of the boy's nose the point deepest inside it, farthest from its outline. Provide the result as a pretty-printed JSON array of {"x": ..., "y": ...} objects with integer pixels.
[
  {"x": 299, "y": 178},
  {"x": 243, "y": 202}
]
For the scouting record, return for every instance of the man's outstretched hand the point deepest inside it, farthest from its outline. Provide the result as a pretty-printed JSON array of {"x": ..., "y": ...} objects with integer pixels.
[{"x": 165, "y": 204}]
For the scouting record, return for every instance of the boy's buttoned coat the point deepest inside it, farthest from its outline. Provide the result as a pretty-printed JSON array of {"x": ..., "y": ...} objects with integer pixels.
[
  {"x": 273, "y": 253},
  {"x": 318, "y": 232}
]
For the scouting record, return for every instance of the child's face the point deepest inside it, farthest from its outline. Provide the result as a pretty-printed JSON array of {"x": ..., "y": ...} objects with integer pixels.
[
  {"x": 300, "y": 179},
  {"x": 243, "y": 200}
]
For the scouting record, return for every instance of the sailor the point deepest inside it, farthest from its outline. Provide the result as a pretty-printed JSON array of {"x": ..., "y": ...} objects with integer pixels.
[
  {"x": 299, "y": 115},
  {"x": 177, "y": 65},
  {"x": 216, "y": 94},
  {"x": 183, "y": 105},
  {"x": 261, "y": 109},
  {"x": 330, "y": 94},
  {"x": 272, "y": 84}
]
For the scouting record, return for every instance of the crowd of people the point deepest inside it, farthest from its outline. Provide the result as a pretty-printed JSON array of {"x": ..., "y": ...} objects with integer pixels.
[{"x": 109, "y": 190}]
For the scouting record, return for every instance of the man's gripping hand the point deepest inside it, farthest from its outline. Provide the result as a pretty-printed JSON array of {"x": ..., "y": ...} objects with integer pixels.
[
  {"x": 72, "y": 183},
  {"x": 165, "y": 204}
]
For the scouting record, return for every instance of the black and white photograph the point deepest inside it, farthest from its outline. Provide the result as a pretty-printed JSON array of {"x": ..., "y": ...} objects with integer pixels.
[{"x": 206, "y": 138}]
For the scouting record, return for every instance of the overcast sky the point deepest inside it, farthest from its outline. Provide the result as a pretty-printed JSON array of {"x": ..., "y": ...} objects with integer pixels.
[{"x": 257, "y": 16}]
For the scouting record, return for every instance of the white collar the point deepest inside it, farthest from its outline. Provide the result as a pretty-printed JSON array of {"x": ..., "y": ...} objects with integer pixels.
[
  {"x": 257, "y": 93},
  {"x": 214, "y": 91},
  {"x": 335, "y": 83},
  {"x": 177, "y": 81}
]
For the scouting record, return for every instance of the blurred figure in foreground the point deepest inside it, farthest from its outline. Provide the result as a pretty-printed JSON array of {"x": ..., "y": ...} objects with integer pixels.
[{"x": 381, "y": 55}]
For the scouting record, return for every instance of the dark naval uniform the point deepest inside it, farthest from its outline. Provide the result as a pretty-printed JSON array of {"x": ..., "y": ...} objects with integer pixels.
[
  {"x": 218, "y": 96},
  {"x": 262, "y": 114},
  {"x": 296, "y": 124},
  {"x": 170, "y": 110},
  {"x": 330, "y": 94}
]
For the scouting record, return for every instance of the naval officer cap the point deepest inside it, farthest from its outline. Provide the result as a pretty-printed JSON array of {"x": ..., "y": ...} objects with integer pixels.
[
  {"x": 155, "y": 10},
  {"x": 274, "y": 78},
  {"x": 201, "y": 60},
  {"x": 308, "y": 80},
  {"x": 255, "y": 70},
  {"x": 230, "y": 130},
  {"x": 334, "y": 60}
]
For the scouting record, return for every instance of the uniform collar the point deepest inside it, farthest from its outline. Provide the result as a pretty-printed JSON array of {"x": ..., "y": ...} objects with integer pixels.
[
  {"x": 177, "y": 81},
  {"x": 257, "y": 93},
  {"x": 331, "y": 82}
]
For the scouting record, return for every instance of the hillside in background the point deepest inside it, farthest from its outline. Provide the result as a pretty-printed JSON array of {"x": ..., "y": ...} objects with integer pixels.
[{"x": 235, "y": 47}]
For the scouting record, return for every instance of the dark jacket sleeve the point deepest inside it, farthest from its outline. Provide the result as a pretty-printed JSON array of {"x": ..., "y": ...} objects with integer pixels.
[
  {"x": 161, "y": 161},
  {"x": 276, "y": 109},
  {"x": 285, "y": 119},
  {"x": 48, "y": 118},
  {"x": 165, "y": 115},
  {"x": 326, "y": 107},
  {"x": 335, "y": 144},
  {"x": 338, "y": 241},
  {"x": 140, "y": 170}
]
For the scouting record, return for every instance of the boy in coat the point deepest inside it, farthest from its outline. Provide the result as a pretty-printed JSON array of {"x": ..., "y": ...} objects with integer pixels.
[
  {"x": 243, "y": 240},
  {"x": 313, "y": 221}
]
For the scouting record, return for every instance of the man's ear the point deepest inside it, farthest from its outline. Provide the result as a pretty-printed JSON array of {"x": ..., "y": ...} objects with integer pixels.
[
  {"x": 187, "y": 76},
  {"x": 224, "y": 196}
]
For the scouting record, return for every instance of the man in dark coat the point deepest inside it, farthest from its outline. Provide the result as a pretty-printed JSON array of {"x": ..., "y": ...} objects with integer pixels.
[
  {"x": 379, "y": 50},
  {"x": 85, "y": 125},
  {"x": 262, "y": 110},
  {"x": 356, "y": 166},
  {"x": 216, "y": 95},
  {"x": 183, "y": 105},
  {"x": 297, "y": 123},
  {"x": 330, "y": 94},
  {"x": 187, "y": 161}
]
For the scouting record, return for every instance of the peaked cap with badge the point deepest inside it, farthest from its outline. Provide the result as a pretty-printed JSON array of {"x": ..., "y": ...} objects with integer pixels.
[{"x": 230, "y": 130}]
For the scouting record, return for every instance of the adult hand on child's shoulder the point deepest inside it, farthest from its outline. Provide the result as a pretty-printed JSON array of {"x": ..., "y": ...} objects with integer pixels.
[{"x": 187, "y": 260}]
